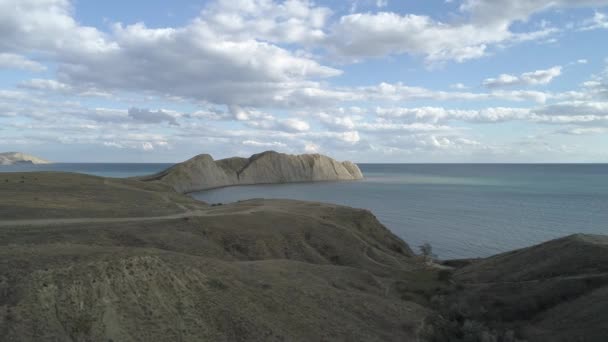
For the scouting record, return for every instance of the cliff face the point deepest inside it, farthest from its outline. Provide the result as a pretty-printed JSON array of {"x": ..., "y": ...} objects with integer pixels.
[
  {"x": 202, "y": 172},
  {"x": 11, "y": 158}
]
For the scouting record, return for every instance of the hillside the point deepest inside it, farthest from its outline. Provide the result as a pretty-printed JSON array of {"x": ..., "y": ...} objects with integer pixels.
[
  {"x": 202, "y": 172},
  {"x": 555, "y": 291},
  {"x": 258, "y": 270},
  {"x": 11, "y": 158},
  {"x": 88, "y": 258}
]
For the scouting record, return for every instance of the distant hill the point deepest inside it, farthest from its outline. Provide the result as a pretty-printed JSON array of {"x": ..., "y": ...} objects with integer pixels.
[
  {"x": 11, "y": 158},
  {"x": 202, "y": 172}
]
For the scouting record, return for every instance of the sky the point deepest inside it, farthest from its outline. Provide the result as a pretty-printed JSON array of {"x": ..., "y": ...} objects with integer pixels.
[{"x": 405, "y": 81}]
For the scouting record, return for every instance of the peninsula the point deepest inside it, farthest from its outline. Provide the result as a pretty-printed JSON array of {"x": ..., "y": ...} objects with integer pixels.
[{"x": 202, "y": 172}]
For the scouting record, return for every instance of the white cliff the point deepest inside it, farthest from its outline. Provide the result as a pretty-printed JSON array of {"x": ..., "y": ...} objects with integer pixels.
[{"x": 202, "y": 172}]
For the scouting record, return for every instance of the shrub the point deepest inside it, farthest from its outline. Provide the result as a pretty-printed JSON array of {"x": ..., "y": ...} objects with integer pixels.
[{"x": 427, "y": 251}]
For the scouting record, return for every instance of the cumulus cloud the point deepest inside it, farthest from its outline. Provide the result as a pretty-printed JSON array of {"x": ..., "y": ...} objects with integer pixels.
[
  {"x": 311, "y": 148},
  {"x": 502, "y": 13},
  {"x": 45, "y": 85},
  {"x": 236, "y": 62},
  {"x": 573, "y": 113},
  {"x": 439, "y": 114},
  {"x": 257, "y": 74},
  {"x": 597, "y": 22},
  {"x": 597, "y": 86},
  {"x": 538, "y": 77},
  {"x": 150, "y": 117},
  {"x": 15, "y": 61},
  {"x": 48, "y": 26},
  {"x": 262, "y": 144},
  {"x": 402, "y": 92},
  {"x": 576, "y": 108},
  {"x": 361, "y": 35},
  {"x": 337, "y": 122},
  {"x": 293, "y": 124},
  {"x": 583, "y": 130},
  {"x": 290, "y": 21}
]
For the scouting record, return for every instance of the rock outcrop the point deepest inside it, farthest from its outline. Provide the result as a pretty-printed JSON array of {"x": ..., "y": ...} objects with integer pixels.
[
  {"x": 11, "y": 158},
  {"x": 202, "y": 172}
]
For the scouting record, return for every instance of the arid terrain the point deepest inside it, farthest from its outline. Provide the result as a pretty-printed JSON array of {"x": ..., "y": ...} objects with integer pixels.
[{"x": 86, "y": 258}]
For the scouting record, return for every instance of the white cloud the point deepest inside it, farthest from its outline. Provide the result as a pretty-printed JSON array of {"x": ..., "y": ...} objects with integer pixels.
[
  {"x": 579, "y": 113},
  {"x": 257, "y": 74},
  {"x": 438, "y": 114},
  {"x": 147, "y": 146},
  {"x": 293, "y": 124},
  {"x": 363, "y": 35},
  {"x": 481, "y": 25},
  {"x": 311, "y": 148},
  {"x": 459, "y": 86},
  {"x": 260, "y": 144},
  {"x": 492, "y": 12},
  {"x": 583, "y": 130},
  {"x": 393, "y": 127},
  {"x": 45, "y": 85},
  {"x": 597, "y": 86},
  {"x": 48, "y": 26},
  {"x": 201, "y": 61},
  {"x": 151, "y": 117},
  {"x": 574, "y": 108},
  {"x": 538, "y": 77},
  {"x": 290, "y": 21},
  {"x": 350, "y": 137},
  {"x": 597, "y": 22},
  {"x": 14, "y": 61},
  {"x": 401, "y": 92}
]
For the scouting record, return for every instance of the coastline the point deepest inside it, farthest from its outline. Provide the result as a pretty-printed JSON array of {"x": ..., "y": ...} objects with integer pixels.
[{"x": 256, "y": 255}]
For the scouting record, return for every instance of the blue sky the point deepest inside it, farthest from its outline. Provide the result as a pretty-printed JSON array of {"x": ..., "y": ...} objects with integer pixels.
[{"x": 366, "y": 80}]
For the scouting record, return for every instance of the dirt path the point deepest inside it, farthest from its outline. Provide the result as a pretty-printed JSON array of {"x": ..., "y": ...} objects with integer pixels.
[
  {"x": 81, "y": 220},
  {"x": 60, "y": 221}
]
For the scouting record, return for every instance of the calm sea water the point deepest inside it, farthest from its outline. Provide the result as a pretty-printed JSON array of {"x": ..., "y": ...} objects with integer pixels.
[{"x": 464, "y": 211}]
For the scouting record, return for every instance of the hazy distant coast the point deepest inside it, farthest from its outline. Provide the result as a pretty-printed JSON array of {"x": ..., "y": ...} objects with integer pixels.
[{"x": 13, "y": 158}]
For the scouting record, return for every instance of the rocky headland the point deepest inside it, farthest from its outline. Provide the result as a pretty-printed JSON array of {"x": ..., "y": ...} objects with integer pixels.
[{"x": 202, "y": 172}]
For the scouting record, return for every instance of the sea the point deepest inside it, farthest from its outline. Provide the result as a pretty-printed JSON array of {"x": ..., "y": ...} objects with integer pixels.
[{"x": 461, "y": 210}]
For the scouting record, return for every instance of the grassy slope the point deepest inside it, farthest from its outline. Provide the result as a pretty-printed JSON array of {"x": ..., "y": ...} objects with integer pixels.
[
  {"x": 254, "y": 270},
  {"x": 555, "y": 291},
  {"x": 65, "y": 195}
]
